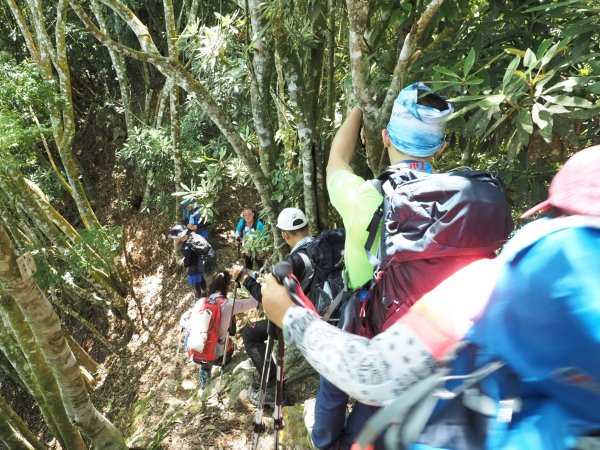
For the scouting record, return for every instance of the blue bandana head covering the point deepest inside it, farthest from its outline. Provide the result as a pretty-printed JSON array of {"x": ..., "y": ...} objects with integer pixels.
[{"x": 414, "y": 129}]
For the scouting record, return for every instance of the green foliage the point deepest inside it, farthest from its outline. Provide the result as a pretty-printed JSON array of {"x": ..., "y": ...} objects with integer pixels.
[
  {"x": 523, "y": 78},
  {"x": 258, "y": 244},
  {"x": 74, "y": 265},
  {"x": 23, "y": 91},
  {"x": 287, "y": 177},
  {"x": 217, "y": 55},
  {"x": 146, "y": 160}
]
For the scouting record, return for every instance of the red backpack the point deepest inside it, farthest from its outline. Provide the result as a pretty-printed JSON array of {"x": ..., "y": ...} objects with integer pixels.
[{"x": 203, "y": 336}]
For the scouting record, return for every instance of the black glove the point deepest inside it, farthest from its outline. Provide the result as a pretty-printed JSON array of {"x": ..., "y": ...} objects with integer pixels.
[{"x": 232, "y": 330}]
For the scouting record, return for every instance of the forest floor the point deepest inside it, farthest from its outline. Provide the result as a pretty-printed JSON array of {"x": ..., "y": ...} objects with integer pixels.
[{"x": 150, "y": 390}]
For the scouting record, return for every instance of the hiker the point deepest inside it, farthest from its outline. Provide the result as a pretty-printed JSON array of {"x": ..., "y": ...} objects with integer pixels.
[
  {"x": 248, "y": 224},
  {"x": 217, "y": 294},
  {"x": 191, "y": 217},
  {"x": 535, "y": 308},
  {"x": 295, "y": 232},
  {"x": 413, "y": 136},
  {"x": 191, "y": 259}
]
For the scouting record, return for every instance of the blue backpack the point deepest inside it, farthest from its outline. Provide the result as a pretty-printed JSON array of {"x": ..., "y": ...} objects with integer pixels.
[{"x": 528, "y": 374}]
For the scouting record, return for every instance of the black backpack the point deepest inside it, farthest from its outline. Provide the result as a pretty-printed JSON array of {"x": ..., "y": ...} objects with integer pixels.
[
  {"x": 430, "y": 226},
  {"x": 326, "y": 289},
  {"x": 207, "y": 257}
]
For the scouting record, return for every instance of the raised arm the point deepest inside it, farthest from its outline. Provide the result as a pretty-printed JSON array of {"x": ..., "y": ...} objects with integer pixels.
[{"x": 344, "y": 143}]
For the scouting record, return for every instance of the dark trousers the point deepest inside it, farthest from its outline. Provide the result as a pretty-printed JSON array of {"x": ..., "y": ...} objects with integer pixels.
[
  {"x": 331, "y": 429},
  {"x": 208, "y": 365},
  {"x": 254, "y": 336},
  {"x": 200, "y": 288},
  {"x": 249, "y": 262}
]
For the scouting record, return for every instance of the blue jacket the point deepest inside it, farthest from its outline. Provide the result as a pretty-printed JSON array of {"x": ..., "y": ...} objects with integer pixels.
[{"x": 543, "y": 321}]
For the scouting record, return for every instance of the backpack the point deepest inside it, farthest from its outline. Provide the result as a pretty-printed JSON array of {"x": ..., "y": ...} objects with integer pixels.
[
  {"x": 525, "y": 376},
  {"x": 325, "y": 253},
  {"x": 430, "y": 226},
  {"x": 207, "y": 257},
  {"x": 203, "y": 329}
]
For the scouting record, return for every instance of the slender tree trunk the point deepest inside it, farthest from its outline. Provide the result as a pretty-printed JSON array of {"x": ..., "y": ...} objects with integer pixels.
[
  {"x": 103, "y": 276},
  {"x": 48, "y": 57},
  {"x": 261, "y": 74},
  {"x": 48, "y": 334},
  {"x": 118, "y": 61},
  {"x": 174, "y": 96},
  {"x": 14, "y": 432},
  {"x": 33, "y": 369}
]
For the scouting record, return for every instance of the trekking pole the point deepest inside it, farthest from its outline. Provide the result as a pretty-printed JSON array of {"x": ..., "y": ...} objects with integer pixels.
[
  {"x": 278, "y": 423},
  {"x": 259, "y": 425},
  {"x": 235, "y": 288},
  {"x": 282, "y": 271}
]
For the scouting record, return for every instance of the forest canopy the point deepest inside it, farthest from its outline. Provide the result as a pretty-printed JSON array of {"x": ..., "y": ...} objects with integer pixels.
[{"x": 117, "y": 108}]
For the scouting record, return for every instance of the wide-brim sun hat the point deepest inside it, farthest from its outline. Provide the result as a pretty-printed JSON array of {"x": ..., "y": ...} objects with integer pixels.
[
  {"x": 575, "y": 189},
  {"x": 291, "y": 219},
  {"x": 177, "y": 231}
]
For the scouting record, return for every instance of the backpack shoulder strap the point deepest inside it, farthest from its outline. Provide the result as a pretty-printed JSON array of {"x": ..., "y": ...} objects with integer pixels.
[
  {"x": 309, "y": 269},
  {"x": 385, "y": 187}
]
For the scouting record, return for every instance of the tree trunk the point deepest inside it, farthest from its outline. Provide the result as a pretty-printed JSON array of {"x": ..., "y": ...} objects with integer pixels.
[
  {"x": 174, "y": 96},
  {"x": 261, "y": 75},
  {"x": 103, "y": 276},
  {"x": 118, "y": 61},
  {"x": 47, "y": 57},
  {"x": 14, "y": 432},
  {"x": 48, "y": 334},
  {"x": 28, "y": 361}
]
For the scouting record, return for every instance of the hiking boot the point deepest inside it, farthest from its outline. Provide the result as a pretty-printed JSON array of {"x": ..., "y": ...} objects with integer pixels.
[
  {"x": 269, "y": 397},
  {"x": 204, "y": 377}
]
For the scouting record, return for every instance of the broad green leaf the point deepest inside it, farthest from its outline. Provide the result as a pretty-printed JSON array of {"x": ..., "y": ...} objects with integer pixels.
[
  {"x": 514, "y": 146},
  {"x": 543, "y": 81},
  {"x": 529, "y": 59},
  {"x": 523, "y": 136},
  {"x": 568, "y": 84},
  {"x": 537, "y": 117},
  {"x": 565, "y": 100},
  {"x": 469, "y": 60},
  {"x": 475, "y": 81},
  {"x": 462, "y": 111},
  {"x": 525, "y": 121},
  {"x": 492, "y": 100},
  {"x": 465, "y": 98},
  {"x": 445, "y": 71},
  {"x": 543, "y": 47},
  {"x": 546, "y": 132},
  {"x": 515, "y": 51},
  {"x": 509, "y": 71},
  {"x": 557, "y": 109},
  {"x": 594, "y": 88},
  {"x": 520, "y": 74},
  {"x": 549, "y": 6},
  {"x": 583, "y": 114},
  {"x": 499, "y": 122},
  {"x": 551, "y": 53}
]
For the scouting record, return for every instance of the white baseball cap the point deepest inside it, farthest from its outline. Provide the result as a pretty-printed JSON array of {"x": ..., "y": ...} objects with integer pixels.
[{"x": 291, "y": 219}]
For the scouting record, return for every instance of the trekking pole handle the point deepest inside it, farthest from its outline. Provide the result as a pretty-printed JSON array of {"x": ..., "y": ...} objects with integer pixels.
[{"x": 283, "y": 274}]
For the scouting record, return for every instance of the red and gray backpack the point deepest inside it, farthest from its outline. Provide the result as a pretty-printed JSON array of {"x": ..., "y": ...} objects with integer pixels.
[
  {"x": 428, "y": 227},
  {"x": 203, "y": 336}
]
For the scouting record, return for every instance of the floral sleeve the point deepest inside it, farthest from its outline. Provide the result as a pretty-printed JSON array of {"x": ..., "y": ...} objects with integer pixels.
[{"x": 373, "y": 371}]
